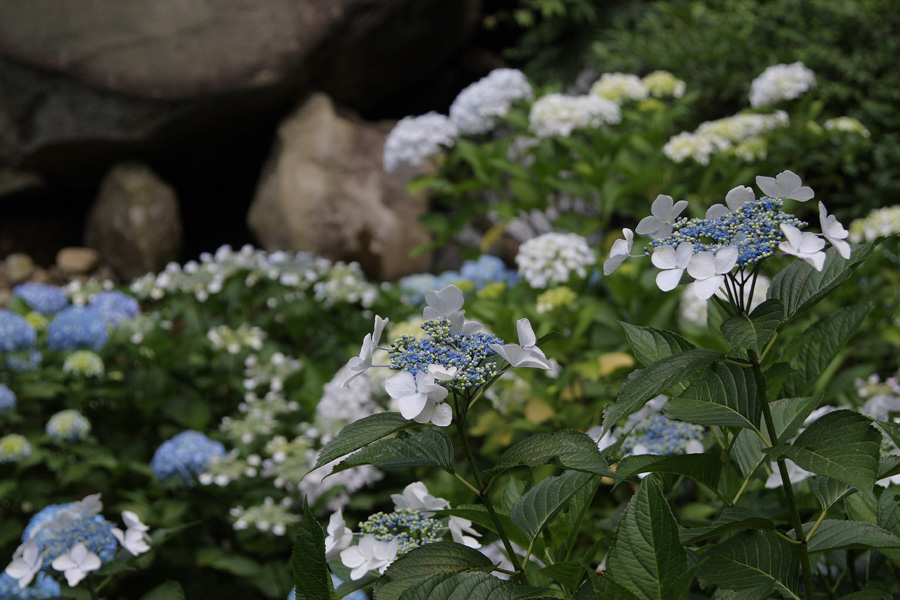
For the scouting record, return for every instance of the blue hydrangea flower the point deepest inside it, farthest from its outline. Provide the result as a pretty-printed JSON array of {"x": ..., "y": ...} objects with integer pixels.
[
  {"x": 7, "y": 398},
  {"x": 93, "y": 531},
  {"x": 185, "y": 456},
  {"x": 45, "y": 515},
  {"x": 42, "y": 587},
  {"x": 24, "y": 361},
  {"x": 415, "y": 286},
  {"x": 657, "y": 434},
  {"x": 115, "y": 307},
  {"x": 336, "y": 581},
  {"x": 76, "y": 327},
  {"x": 45, "y": 299},
  {"x": 411, "y": 527},
  {"x": 15, "y": 332},
  {"x": 68, "y": 426},
  {"x": 487, "y": 269}
]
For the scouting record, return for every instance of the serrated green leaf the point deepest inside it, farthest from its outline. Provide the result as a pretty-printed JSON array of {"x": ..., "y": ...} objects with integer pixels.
[
  {"x": 426, "y": 560},
  {"x": 567, "y": 448},
  {"x": 469, "y": 586},
  {"x": 862, "y": 506},
  {"x": 170, "y": 590},
  {"x": 360, "y": 433},
  {"x": 889, "y": 510},
  {"x": 833, "y": 534},
  {"x": 568, "y": 573},
  {"x": 841, "y": 445},
  {"x": 749, "y": 560},
  {"x": 430, "y": 448},
  {"x": 731, "y": 519},
  {"x": 821, "y": 343},
  {"x": 655, "y": 379},
  {"x": 651, "y": 345},
  {"x": 539, "y": 505},
  {"x": 891, "y": 429},
  {"x": 760, "y": 592},
  {"x": 312, "y": 579},
  {"x": 604, "y": 588},
  {"x": 732, "y": 389},
  {"x": 646, "y": 557},
  {"x": 754, "y": 331},
  {"x": 799, "y": 286},
  {"x": 828, "y": 491},
  {"x": 702, "y": 468}
]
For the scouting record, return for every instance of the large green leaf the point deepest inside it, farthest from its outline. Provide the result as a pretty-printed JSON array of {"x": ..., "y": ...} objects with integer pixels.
[
  {"x": 749, "y": 560},
  {"x": 730, "y": 520},
  {"x": 651, "y": 344},
  {"x": 759, "y": 592},
  {"x": 603, "y": 588},
  {"x": 841, "y": 535},
  {"x": 311, "y": 576},
  {"x": 799, "y": 286},
  {"x": 891, "y": 429},
  {"x": 568, "y": 573},
  {"x": 702, "y": 468},
  {"x": 539, "y": 505},
  {"x": 360, "y": 433},
  {"x": 754, "y": 331},
  {"x": 705, "y": 413},
  {"x": 430, "y": 448},
  {"x": 821, "y": 343},
  {"x": 728, "y": 386},
  {"x": 828, "y": 491},
  {"x": 170, "y": 590},
  {"x": 841, "y": 445},
  {"x": 426, "y": 560},
  {"x": 646, "y": 557},
  {"x": 469, "y": 586},
  {"x": 788, "y": 414},
  {"x": 655, "y": 379},
  {"x": 567, "y": 448}
]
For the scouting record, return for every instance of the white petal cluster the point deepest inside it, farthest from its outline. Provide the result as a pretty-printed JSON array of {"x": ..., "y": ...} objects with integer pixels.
[
  {"x": 420, "y": 398},
  {"x": 559, "y": 114},
  {"x": 878, "y": 223},
  {"x": 413, "y": 139},
  {"x": 662, "y": 84},
  {"x": 740, "y": 134},
  {"x": 415, "y": 496},
  {"x": 781, "y": 82},
  {"x": 620, "y": 87},
  {"x": 478, "y": 106},
  {"x": 554, "y": 258},
  {"x": 847, "y": 125},
  {"x": 525, "y": 353},
  {"x": 369, "y": 555}
]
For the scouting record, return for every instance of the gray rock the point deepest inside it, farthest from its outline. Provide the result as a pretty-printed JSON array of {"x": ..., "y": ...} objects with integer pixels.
[
  {"x": 77, "y": 260},
  {"x": 18, "y": 268},
  {"x": 324, "y": 190},
  {"x": 134, "y": 224}
]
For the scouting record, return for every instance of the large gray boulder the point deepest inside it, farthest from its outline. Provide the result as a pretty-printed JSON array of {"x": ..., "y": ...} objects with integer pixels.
[{"x": 324, "y": 190}]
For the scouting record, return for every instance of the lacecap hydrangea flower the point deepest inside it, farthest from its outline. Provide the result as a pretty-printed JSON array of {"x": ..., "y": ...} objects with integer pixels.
[
  {"x": 553, "y": 258},
  {"x": 85, "y": 363},
  {"x": 781, "y": 82},
  {"x": 620, "y": 87},
  {"x": 559, "y": 114},
  {"x": 45, "y": 299},
  {"x": 7, "y": 398},
  {"x": 115, "y": 307},
  {"x": 14, "y": 448},
  {"x": 68, "y": 426},
  {"x": 413, "y": 139},
  {"x": 477, "y": 108},
  {"x": 185, "y": 456},
  {"x": 42, "y": 587},
  {"x": 15, "y": 332},
  {"x": 76, "y": 327}
]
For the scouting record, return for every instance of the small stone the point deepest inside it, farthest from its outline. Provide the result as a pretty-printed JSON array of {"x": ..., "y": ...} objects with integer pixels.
[
  {"x": 40, "y": 276},
  {"x": 5, "y": 295},
  {"x": 19, "y": 267},
  {"x": 77, "y": 260}
]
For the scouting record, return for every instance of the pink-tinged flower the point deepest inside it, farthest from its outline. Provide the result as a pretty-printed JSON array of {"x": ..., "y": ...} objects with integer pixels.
[
  {"x": 709, "y": 271},
  {"x": 672, "y": 262},
  {"x": 663, "y": 213},
  {"x": 786, "y": 185},
  {"x": 805, "y": 245},
  {"x": 834, "y": 232}
]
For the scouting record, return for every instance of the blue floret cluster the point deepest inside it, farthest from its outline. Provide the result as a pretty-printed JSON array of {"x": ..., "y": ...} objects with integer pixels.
[
  {"x": 405, "y": 524},
  {"x": 185, "y": 456},
  {"x": 484, "y": 271},
  {"x": 115, "y": 307},
  {"x": 660, "y": 435},
  {"x": 76, "y": 327},
  {"x": 7, "y": 398},
  {"x": 43, "y": 298},
  {"x": 41, "y": 588},
  {"x": 15, "y": 332},
  {"x": 92, "y": 530}
]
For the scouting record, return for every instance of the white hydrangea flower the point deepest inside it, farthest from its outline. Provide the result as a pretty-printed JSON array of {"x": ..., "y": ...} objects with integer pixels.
[
  {"x": 805, "y": 245},
  {"x": 663, "y": 213},
  {"x": 476, "y": 109},
  {"x": 416, "y": 497},
  {"x": 734, "y": 200},
  {"x": 786, "y": 185},
  {"x": 834, "y": 232},
  {"x": 880, "y": 222},
  {"x": 25, "y": 564},
  {"x": 525, "y": 353},
  {"x": 739, "y": 134},
  {"x": 672, "y": 263},
  {"x": 689, "y": 145},
  {"x": 458, "y": 528},
  {"x": 661, "y": 84},
  {"x": 554, "y": 258},
  {"x": 339, "y": 536},
  {"x": 413, "y": 139},
  {"x": 621, "y": 250},
  {"x": 420, "y": 398},
  {"x": 369, "y": 555},
  {"x": 559, "y": 114},
  {"x": 360, "y": 364},
  {"x": 781, "y": 82},
  {"x": 709, "y": 270},
  {"x": 847, "y": 125},
  {"x": 620, "y": 87},
  {"x": 76, "y": 563}
]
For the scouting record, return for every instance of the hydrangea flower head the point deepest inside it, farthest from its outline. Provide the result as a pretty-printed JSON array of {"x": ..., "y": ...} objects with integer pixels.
[
  {"x": 370, "y": 555},
  {"x": 485, "y": 270},
  {"x": 781, "y": 82},
  {"x": 185, "y": 456},
  {"x": 43, "y": 586},
  {"x": 847, "y": 125},
  {"x": 7, "y": 398},
  {"x": 658, "y": 434},
  {"x": 14, "y": 448},
  {"x": 68, "y": 426},
  {"x": 409, "y": 527},
  {"x": 84, "y": 363},
  {"x": 22, "y": 362},
  {"x": 880, "y": 222},
  {"x": 45, "y": 299},
  {"x": 59, "y": 536},
  {"x": 620, "y": 87},
  {"x": 477, "y": 108},
  {"x": 661, "y": 84},
  {"x": 76, "y": 327},
  {"x": 15, "y": 332},
  {"x": 553, "y": 258},
  {"x": 414, "y": 139},
  {"x": 741, "y": 134},
  {"x": 115, "y": 307},
  {"x": 559, "y": 114}
]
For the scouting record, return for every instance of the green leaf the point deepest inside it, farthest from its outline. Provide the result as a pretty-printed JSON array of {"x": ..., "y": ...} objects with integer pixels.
[
  {"x": 568, "y": 573},
  {"x": 799, "y": 286},
  {"x": 841, "y": 445},
  {"x": 479, "y": 515},
  {"x": 469, "y": 586},
  {"x": 821, "y": 343},
  {"x": 862, "y": 506},
  {"x": 170, "y": 590},
  {"x": 567, "y": 448},
  {"x": 655, "y": 379},
  {"x": 430, "y": 448},
  {"x": 727, "y": 391},
  {"x": 891, "y": 429},
  {"x": 311, "y": 576},
  {"x": 889, "y": 510},
  {"x": 539, "y": 505},
  {"x": 651, "y": 345},
  {"x": 605, "y": 588},
  {"x": 828, "y": 491},
  {"x": 759, "y": 592},
  {"x": 833, "y": 534},
  {"x": 360, "y": 433},
  {"x": 426, "y": 560},
  {"x": 754, "y": 331},
  {"x": 749, "y": 560},
  {"x": 702, "y": 468},
  {"x": 646, "y": 557},
  {"x": 228, "y": 562},
  {"x": 730, "y": 520},
  {"x": 872, "y": 591}
]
